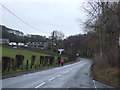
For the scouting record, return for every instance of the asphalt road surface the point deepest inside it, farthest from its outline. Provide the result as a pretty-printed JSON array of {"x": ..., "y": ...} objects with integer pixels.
[{"x": 76, "y": 75}]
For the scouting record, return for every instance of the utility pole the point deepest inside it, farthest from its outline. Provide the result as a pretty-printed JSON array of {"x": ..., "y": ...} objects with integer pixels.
[
  {"x": 118, "y": 42},
  {"x": 53, "y": 37}
]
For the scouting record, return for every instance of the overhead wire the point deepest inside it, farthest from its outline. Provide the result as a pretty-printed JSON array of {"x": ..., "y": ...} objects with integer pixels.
[{"x": 23, "y": 20}]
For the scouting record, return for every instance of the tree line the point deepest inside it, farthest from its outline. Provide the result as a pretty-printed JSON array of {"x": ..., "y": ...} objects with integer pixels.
[
  {"x": 104, "y": 24},
  {"x": 102, "y": 38},
  {"x": 18, "y": 36}
]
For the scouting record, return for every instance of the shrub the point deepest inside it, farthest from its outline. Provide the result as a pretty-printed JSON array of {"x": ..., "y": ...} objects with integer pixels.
[
  {"x": 7, "y": 63},
  {"x": 33, "y": 61},
  {"x": 19, "y": 60},
  {"x": 51, "y": 60},
  {"x": 41, "y": 60},
  {"x": 46, "y": 60},
  {"x": 27, "y": 64}
]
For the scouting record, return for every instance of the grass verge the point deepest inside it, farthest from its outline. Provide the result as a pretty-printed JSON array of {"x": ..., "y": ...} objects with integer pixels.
[
  {"x": 107, "y": 75},
  {"x": 11, "y": 52}
]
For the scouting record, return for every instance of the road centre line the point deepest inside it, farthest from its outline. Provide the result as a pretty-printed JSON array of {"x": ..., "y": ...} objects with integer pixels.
[
  {"x": 59, "y": 75},
  {"x": 40, "y": 85},
  {"x": 51, "y": 78},
  {"x": 69, "y": 70}
]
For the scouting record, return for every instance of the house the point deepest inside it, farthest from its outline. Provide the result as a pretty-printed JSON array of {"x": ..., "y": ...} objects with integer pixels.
[
  {"x": 21, "y": 44},
  {"x": 38, "y": 44},
  {"x": 4, "y": 41},
  {"x": 13, "y": 44}
]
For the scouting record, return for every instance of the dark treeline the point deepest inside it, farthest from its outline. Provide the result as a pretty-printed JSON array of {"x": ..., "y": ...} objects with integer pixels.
[
  {"x": 104, "y": 24},
  {"x": 78, "y": 44},
  {"x": 102, "y": 39}
]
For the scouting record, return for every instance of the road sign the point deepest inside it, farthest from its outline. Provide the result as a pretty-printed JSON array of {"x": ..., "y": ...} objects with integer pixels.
[{"x": 60, "y": 50}]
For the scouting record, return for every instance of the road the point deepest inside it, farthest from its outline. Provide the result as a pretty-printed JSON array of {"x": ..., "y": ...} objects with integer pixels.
[{"x": 76, "y": 75}]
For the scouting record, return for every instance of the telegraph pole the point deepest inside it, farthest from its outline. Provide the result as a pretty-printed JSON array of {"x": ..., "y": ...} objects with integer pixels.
[{"x": 53, "y": 35}]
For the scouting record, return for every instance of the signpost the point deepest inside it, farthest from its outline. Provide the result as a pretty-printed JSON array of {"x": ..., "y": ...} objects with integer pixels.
[{"x": 60, "y": 51}]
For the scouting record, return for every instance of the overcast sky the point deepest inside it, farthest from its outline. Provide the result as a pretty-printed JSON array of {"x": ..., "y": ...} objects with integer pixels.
[{"x": 65, "y": 16}]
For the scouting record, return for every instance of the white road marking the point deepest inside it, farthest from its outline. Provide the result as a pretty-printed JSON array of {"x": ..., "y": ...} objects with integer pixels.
[
  {"x": 59, "y": 75},
  {"x": 94, "y": 84},
  {"x": 89, "y": 66},
  {"x": 51, "y": 78},
  {"x": 67, "y": 71},
  {"x": 25, "y": 75},
  {"x": 40, "y": 85}
]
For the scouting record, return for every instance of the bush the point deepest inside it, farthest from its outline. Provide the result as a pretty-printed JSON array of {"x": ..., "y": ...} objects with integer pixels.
[
  {"x": 41, "y": 60},
  {"x": 19, "y": 60},
  {"x": 7, "y": 63},
  {"x": 46, "y": 60},
  {"x": 51, "y": 60},
  {"x": 33, "y": 61},
  {"x": 27, "y": 64},
  {"x": 58, "y": 60}
]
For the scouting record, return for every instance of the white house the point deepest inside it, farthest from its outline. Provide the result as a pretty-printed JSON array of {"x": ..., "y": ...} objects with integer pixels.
[
  {"x": 13, "y": 44},
  {"x": 21, "y": 44}
]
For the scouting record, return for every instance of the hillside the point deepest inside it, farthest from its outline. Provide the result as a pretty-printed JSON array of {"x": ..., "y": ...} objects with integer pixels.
[
  {"x": 16, "y": 32},
  {"x": 19, "y": 36}
]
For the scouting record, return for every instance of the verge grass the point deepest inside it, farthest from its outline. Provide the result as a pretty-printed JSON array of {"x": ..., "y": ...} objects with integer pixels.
[
  {"x": 11, "y": 52},
  {"x": 108, "y": 75}
]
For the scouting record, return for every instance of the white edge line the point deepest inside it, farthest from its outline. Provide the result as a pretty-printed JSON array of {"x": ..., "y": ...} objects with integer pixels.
[
  {"x": 94, "y": 84},
  {"x": 40, "y": 85},
  {"x": 89, "y": 66}
]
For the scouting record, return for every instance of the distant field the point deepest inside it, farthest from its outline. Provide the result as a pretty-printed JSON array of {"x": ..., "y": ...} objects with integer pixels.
[{"x": 11, "y": 52}]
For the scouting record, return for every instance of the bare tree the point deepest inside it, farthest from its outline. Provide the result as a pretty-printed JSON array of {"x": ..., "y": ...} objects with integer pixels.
[
  {"x": 103, "y": 22},
  {"x": 56, "y": 39}
]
